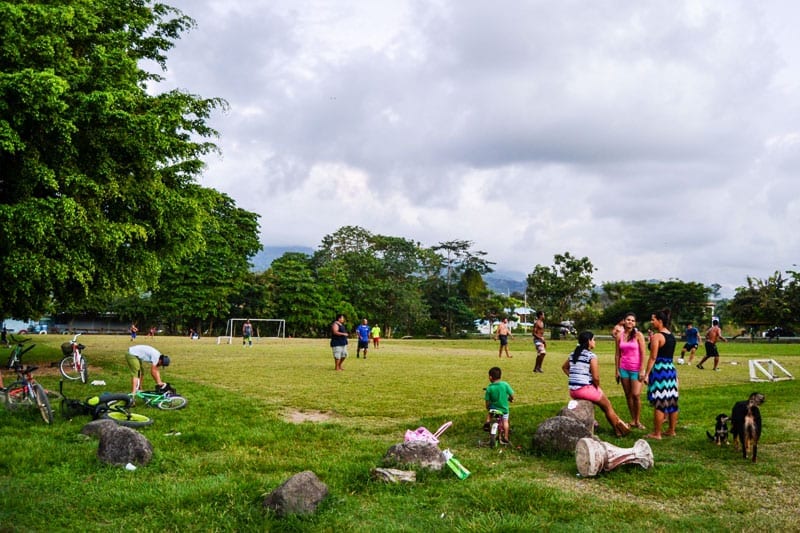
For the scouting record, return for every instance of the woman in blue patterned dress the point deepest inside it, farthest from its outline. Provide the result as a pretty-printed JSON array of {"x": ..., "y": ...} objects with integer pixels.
[{"x": 661, "y": 378}]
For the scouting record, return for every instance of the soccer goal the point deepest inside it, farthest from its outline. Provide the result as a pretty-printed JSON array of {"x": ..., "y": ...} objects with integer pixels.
[{"x": 263, "y": 328}]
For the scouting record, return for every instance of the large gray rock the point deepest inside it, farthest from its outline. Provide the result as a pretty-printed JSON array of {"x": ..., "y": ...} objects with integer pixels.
[
  {"x": 300, "y": 494},
  {"x": 415, "y": 453},
  {"x": 582, "y": 411},
  {"x": 560, "y": 433},
  {"x": 119, "y": 445}
]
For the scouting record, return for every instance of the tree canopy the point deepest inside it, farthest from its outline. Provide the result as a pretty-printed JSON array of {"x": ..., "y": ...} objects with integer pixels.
[
  {"x": 562, "y": 288},
  {"x": 774, "y": 301},
  {"x": 97, "y": 191}
]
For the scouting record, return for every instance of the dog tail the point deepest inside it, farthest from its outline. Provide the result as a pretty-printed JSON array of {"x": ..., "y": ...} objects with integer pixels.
[{"x": 710, "y": 436}]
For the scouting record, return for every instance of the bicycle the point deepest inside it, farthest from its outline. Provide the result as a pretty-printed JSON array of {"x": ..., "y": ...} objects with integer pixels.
[
  {"x": 15, "y": 359},
  {"x": 108, "y": 405},
  {"x": 26, "y": 392},
  {"x": 73, "y": 365},
  {"x": 168, "y": 399},
  {"x": 495, "y": 427}
]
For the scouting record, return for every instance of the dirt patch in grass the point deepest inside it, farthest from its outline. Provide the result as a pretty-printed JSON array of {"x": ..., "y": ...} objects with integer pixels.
[{"x": 298, "y": 417}]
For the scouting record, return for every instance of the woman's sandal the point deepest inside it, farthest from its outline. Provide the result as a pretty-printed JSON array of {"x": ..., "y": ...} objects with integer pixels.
[{"x": 621, "y": 428}]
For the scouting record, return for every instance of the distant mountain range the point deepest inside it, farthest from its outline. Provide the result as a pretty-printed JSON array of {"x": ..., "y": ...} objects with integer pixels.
[
  {"x": 506, "y": 282},
  {"x": 503, "y": 282}
]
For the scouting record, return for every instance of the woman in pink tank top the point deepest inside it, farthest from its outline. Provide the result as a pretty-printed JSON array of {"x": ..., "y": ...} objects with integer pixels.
[{"x": 630, "y": 361}]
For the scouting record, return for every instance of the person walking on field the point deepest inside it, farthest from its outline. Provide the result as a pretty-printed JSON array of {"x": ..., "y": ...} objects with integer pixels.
[
  {"x": 247, "y": 333},
  {"x": 339, "y": 341},
  {"x": 363, "y": 332},
  {"x": 503, "y": 333},
  {"x": 375, "y": 333},
  {"x": 538, "y": 341},
  {"x": 692, "y": 342},
  {"x": 713, "y": 334},
  {"x": 133, "y": 331}
]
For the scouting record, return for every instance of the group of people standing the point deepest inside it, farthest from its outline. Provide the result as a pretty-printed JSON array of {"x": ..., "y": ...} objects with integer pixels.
[
  {"x": 339, "y": 336},
  {"x": 636, "y": 369}
]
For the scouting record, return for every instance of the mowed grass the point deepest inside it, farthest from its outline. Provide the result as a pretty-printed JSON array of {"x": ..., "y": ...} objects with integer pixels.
[{"x": 259, "y": 415}]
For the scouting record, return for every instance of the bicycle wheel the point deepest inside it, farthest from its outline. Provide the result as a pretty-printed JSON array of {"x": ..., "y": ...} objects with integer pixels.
[
  {"x": 123, "y": 418},
  {"x": 15, "y": 395},
  {"x": 84, "y": 370},
  {"x": 68, "y": 368},
  {"x": 494, "y": 435},
  {"x": 171, "y": 403},
  {"x": 43, "y": 403}
]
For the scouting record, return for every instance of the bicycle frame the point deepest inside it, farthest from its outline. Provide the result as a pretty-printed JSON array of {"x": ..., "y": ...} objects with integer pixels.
[
  {"x": 114, "y": 406},
  {"x": 73, "y": 365},
  {"x": 15, "y": 359},
  {"x": 162, "y": 400},
  {"x": 26, "y": 391}
]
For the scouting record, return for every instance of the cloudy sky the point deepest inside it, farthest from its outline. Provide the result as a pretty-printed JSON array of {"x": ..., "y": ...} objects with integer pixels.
[{"x": 658, "y": 138}]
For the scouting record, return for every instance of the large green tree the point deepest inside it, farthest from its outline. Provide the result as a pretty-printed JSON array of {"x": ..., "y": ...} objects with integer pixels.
[
  {"x": 196, "y": 290},
  {"x": 768, "y": 302},
  {"x": 378, "y": 275},
  {"x": 97, "y": 173},
  {"x": 300, "y": 297},
  {"x": 685, "y": 300},
  {"x": 563, "y": 288},
  {"x": 447, "y": 300}
]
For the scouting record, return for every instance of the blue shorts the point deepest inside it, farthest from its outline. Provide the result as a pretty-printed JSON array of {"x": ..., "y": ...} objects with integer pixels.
[{"x": 629, "y": 374}]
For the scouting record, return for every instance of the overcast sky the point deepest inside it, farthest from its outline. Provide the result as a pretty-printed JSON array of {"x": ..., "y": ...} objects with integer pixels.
[{"x": 658, "y": 138}]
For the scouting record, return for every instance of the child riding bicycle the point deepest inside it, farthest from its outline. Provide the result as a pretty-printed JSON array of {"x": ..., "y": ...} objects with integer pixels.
[{"x": 497, "y": 397}]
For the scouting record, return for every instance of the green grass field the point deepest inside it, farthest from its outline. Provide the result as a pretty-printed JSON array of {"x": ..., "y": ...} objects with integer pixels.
[{"x": 257, "y": 416}]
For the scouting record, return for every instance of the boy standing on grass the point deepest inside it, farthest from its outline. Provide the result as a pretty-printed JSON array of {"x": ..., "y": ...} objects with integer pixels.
[
  {"x": 363, "y": 332},
  {"x": 498, "y": 395}
]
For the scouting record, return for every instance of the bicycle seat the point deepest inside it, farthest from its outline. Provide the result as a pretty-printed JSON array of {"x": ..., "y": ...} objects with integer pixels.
[{"x": 495, "y": 412}]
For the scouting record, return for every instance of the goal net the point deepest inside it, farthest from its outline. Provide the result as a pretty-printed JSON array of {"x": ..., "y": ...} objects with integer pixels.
[{"x": 263, "y": 328}]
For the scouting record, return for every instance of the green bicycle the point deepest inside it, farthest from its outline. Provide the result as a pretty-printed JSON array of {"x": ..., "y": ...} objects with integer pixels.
[{"x": 166, "y": 399}]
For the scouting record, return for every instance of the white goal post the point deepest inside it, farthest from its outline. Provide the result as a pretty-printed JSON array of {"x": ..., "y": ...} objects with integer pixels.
[{"x": 271, "y": 328}]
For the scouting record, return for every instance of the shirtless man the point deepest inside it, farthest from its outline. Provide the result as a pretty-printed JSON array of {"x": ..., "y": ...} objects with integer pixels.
[
  {"x": 503, "y": 333},
  {"x": 538, "y": 341},
  {"x": 713, "y": 334}
]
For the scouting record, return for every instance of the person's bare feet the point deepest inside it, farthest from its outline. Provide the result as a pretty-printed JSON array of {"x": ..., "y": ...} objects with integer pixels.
[
  {"x": 669, "y": 434},
  {"x": 653, "y": 436}
]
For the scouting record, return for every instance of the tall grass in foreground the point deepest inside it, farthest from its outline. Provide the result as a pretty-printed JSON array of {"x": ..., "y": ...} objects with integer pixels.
[{"x": 215, "y": 460}]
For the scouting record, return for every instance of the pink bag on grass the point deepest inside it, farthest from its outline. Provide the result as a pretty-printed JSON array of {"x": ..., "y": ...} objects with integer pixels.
[{"x": 423, "y": 434}]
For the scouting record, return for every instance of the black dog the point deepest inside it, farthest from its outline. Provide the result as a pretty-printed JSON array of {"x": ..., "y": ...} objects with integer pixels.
[
  {"x": 720, "y": 435},
  {"x": 746, "y": 423}
]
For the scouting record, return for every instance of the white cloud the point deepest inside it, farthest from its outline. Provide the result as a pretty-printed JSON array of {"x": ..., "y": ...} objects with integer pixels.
[{"x": 657, "y": 138}]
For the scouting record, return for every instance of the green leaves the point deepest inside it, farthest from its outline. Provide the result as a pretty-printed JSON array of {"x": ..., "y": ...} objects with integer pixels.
[
  {"x": 98, "y": 193},
  {"x": 562, "y": 288}
]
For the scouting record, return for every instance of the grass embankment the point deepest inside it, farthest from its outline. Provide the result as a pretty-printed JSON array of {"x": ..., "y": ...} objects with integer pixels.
[{"x": 239, "y": 439}]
